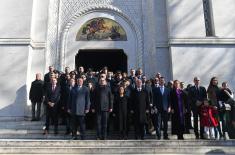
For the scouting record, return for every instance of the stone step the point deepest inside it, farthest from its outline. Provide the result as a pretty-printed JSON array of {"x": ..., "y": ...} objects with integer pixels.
[
  {"x": 33, "y": 125},
  {"x": 34, "y": 130},
  {"x": 60, "y": 130},
  {"x": 90, "y": 136},
  {"x": 116, "y": 147},
  {"x": 114, "y": 143}
]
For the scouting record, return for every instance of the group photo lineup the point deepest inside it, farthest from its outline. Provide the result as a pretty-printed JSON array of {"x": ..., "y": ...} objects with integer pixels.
[{"x": 117, "y": 77}]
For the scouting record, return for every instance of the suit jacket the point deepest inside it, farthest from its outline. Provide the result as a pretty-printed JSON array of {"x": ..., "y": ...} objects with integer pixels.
[
  {"x": 65, "y": 97},
  {"x": 36, "y": 91},
  {"x": 132, "y": 81},
  {"x": 53, "y": 96},
  {"x": 195, "y": 96},
  {"x": 46, "y": 81},
  {"x": 161, "y": 101},
  {"x": 93, "y": 80},
  {"x": 103, "y": 100},
  {"x": 149, "y": 91},
  {"x": 79, "y": 100},
  {"x": 140, "y": 103}
]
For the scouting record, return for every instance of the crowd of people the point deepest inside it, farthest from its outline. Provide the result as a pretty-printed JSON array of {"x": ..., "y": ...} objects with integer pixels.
[{"x": 106, "y": 101}]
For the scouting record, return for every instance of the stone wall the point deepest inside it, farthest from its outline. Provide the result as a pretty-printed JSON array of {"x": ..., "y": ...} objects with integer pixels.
[
  {"x": 14, "y": 40},
  {"x": 192, "y": 52}
]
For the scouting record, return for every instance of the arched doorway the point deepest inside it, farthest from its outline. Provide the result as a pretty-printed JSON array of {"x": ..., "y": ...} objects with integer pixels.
[
  {"x": 132, "y": 46},
  {"x": 114, "y": 59}
]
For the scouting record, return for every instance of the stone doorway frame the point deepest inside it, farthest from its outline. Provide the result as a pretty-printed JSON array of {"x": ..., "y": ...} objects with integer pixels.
[{"x": 103, "y": 9}]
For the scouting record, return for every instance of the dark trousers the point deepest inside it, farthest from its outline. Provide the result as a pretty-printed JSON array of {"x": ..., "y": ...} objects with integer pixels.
[
  {"x": 180, "y": 133},
  {"x": 78, "y": 121},
  {"x": 196, "y": 115},
  {"x": 153, "y": 118},
  {"x": 224, "y": 118},
  {"x": 90, "y": 121},
  {"x": 52, "y": 114},
  {"x": 101, "y": 122},
  {"x": 130, "y": 122},
  {"x": 38, "y": 112},
  {"x": 68, "y": 123},
  {"x": 139, "y": 129},
  {"x": 149, "y": 123},
  {"x": 123, "y": 124},
  {"x": 62, "y": 116},
  {"x": 188, "y": 123},
  {"x": 162, "y": 117}
]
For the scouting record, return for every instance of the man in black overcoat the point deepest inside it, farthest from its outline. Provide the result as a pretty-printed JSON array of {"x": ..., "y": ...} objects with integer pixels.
[
  {"x": 140, "y": 105},
  {"x": 102, "y": 105},
  {"x": 36, "y": 96},
  {"x": 197, "y": 94}
]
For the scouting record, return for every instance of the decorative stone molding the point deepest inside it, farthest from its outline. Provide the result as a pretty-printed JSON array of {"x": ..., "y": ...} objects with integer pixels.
[
  {"x": 109, "y": 9},
  {"x": 15, "y": 41},
  {"x": 52, "y": 34},
  {"x": 209, "y": 19},
  {"x": 202, "y": 41},
  {"x": 63, "y": 13},
  {"x": 37, "y": 45},
  {"x": 22, "y": 41}
]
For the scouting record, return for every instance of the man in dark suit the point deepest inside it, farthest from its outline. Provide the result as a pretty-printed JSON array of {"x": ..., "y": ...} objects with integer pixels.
[
  {"x": 139, "y": 73},
  {"x": 64, "y": 84},
  {"x": 52, "y": 98},
  {"x": 91, "y": 78},
  {"x": 140, "y": 106},
  {"x": 102, "y": 105},
  {"x": 197, "y": 94},
  {"x": 161, "y": 102},
  {"x": 79, "y": 105},
  {"x": 36, "y": 96},
  {"x": 47, "y": 76},
  {"x": 132, "y": 78},
  {"x": 65, "y": 103},
  {"x": 146, "y": 84}
]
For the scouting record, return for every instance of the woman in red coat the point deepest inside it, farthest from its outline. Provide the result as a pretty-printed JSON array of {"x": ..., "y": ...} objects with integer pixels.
[{"x": 208, "y": 120}]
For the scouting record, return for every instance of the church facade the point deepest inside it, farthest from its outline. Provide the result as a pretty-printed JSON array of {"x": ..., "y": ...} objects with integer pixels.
[{"x": 178, "y": 38}]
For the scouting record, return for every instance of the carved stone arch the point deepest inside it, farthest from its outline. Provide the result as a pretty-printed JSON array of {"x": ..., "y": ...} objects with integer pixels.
[{"x": 102, "y": 8}]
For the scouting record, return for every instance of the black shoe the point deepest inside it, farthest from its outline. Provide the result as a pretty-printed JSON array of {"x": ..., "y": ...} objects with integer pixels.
[
  {"x": 187, "y": 131},
  {"x": 55, "y": 132},
  {"x": 158, "y": 137},
  {"x": 191, "y": 127},
  {"x": 202, "y": 138},
  {"x": 45, "y": 132},
  {"x": 197, "y": 137},
  {"x": 166, "y": 138},
  {"x": 33, "y": 119},
  {"x": 74, "y": 138},
  {"x": 67, "y": 132},
  {"x": 37, "y": 119}
]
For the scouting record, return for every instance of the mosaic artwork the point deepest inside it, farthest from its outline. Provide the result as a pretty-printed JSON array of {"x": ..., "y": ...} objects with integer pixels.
[{"x": 101, "y": 29}]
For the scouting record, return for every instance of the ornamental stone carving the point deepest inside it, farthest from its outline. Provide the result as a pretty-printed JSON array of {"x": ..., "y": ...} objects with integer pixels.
[{"x": 63, "y": 13}]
